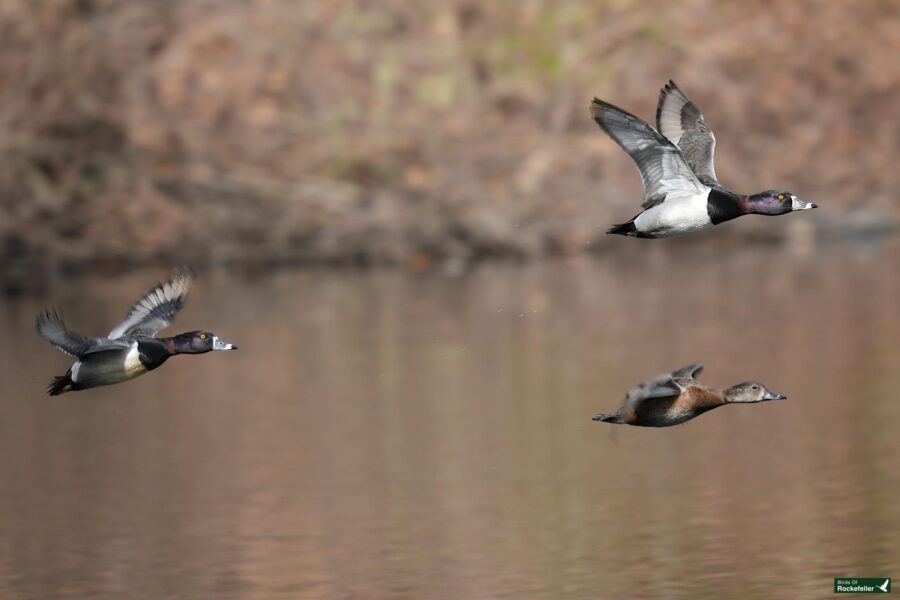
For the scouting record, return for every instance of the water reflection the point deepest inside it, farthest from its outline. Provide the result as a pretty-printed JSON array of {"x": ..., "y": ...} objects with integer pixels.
[{"x": 380, "y": 435}]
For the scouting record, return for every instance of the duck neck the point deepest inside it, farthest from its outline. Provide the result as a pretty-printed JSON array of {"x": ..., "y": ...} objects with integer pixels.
[
  {"x": 178, "y": 344},
  {"x": 722, "y": 205}
]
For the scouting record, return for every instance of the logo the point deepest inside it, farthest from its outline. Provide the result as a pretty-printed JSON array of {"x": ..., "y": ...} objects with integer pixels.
[{"x": 862, "y": 585}]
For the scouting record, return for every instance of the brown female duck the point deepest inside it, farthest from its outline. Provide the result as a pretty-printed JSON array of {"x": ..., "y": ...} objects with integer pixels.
[{"x": 673, "y": 398}]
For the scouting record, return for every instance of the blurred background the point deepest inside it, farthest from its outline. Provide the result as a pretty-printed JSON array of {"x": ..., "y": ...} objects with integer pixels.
[
  {"x": 433, "y": 133},
  {"x": 397, "y": 211}
]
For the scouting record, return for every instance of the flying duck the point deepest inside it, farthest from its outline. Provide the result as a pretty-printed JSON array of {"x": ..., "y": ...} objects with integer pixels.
[
  {"x": 681, "y": 192},
  {"x": 676, "y": 397},
  {"x": 131, "y": 348}
]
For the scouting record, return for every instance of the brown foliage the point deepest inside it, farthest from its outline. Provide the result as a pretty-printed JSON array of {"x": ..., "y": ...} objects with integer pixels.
[{"x": 407, "y": 132}]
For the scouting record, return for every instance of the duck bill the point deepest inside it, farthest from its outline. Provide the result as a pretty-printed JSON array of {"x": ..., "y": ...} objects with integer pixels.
[
  {"x": 222, "y": 345},
  {"x": 798, "y": 204},
  {"x": 770, "y": 395}
]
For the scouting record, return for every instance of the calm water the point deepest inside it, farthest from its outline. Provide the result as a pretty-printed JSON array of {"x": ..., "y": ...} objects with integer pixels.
[{"x": 381, "y": 435}]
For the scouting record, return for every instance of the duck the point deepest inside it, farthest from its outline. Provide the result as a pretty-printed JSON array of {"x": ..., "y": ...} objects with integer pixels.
[
  {"x": 131, "y": 349},
  {"x": 681, "y": 192},
  {"x": 673, "y": 398}
]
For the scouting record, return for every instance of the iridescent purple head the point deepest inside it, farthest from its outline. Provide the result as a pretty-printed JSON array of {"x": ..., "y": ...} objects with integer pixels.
[
  {"x": 196, "y": 342},
  {"x": 775, "y": 202}
]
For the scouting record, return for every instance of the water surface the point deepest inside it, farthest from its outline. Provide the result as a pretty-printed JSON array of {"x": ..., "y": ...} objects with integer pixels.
[{"x": 382, "y": 435}]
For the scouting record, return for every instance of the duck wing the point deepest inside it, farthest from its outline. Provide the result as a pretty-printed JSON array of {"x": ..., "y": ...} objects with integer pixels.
[
  {"x": 50, "y": 326},
  {"x": 665, "y": 172},
  {"x": 680, "y": 121},
  {"x": 156, "y": 309},
  {"x": 661, "y": 386},
  {"x": 690, "y": 371}
]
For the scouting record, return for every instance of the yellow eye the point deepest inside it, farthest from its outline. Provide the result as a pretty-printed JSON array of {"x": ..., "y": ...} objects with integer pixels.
[
  {"x": 202, "y": 336},
  {"x": 781, "y": 196}
]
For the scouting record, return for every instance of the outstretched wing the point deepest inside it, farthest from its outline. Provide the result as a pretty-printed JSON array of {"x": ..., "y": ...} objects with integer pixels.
[
  {"x": 663, "y": 169},
  {"x": 678, "y": 119},
  {"x": 661, "y": 386},
  {"x": 156, "y": 310},
  {"x": 690, "y": 371},
  {"x": 50, "y": 326}
]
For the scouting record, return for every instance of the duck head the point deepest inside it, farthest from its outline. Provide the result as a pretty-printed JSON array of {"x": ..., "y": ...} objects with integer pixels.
[
  {"x": 751, "y": 391},
  {"x": 198, "y": 342},
  {"x": 776, "y": 202}
]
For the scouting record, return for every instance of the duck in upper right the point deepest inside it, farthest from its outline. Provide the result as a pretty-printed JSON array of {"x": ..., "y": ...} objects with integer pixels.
[{"x": 681, "y": 192}]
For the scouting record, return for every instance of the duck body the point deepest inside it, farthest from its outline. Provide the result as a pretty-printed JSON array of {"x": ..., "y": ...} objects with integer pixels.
[
  {"x": 131, "y": 348},
  {"x": 115, "y": 365},
  {"x": 674, "y": 398},
  {"x": 681, "y": 192},
  {"x": 695, "y": 400},
  {"x": 690, "y": 214}
]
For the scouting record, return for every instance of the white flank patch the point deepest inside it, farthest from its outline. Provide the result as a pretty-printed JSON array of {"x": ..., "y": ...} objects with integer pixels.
[
  {"x": 677, "y": 215},
  {"x": 133, "y": 364},
  {"x": 75, "y": 368}
]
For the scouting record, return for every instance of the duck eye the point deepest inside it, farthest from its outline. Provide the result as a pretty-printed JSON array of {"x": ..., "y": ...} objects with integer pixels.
[
  {"x": 781, "y": 196},
  {"x": 202, "y": 336}
]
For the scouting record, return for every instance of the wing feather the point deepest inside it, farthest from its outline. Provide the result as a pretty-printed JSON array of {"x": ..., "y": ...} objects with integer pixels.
[
  {"x": 663, "y": 169},
  {"x": 680, "y": 121},
  {"x": 690, "y": 371},
  {"x": 50, "y": 326},
  {"x": 156, "y": 309},
  {"x": 660, "y": 386}
]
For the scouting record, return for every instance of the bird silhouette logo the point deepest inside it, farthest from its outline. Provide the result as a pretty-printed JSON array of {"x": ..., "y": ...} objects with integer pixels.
[{"x": 886, "y": 586}]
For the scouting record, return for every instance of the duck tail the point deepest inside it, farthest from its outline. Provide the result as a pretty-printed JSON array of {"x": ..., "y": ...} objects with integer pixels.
[
  {"x": 60, "y": 385},
  {"x": 624, "y": 229},
  {"x": 611, "y": 418}
]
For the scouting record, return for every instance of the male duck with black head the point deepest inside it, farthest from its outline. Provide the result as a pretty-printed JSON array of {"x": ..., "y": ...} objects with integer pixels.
[
  {"x": 131, "y": 348},
  {"x": 681, "y": 192},
  {"x": 673, "y": 398}
]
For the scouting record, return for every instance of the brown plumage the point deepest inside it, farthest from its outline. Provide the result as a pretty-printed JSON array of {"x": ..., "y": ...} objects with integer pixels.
[{"x": 676, "y": 397}]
